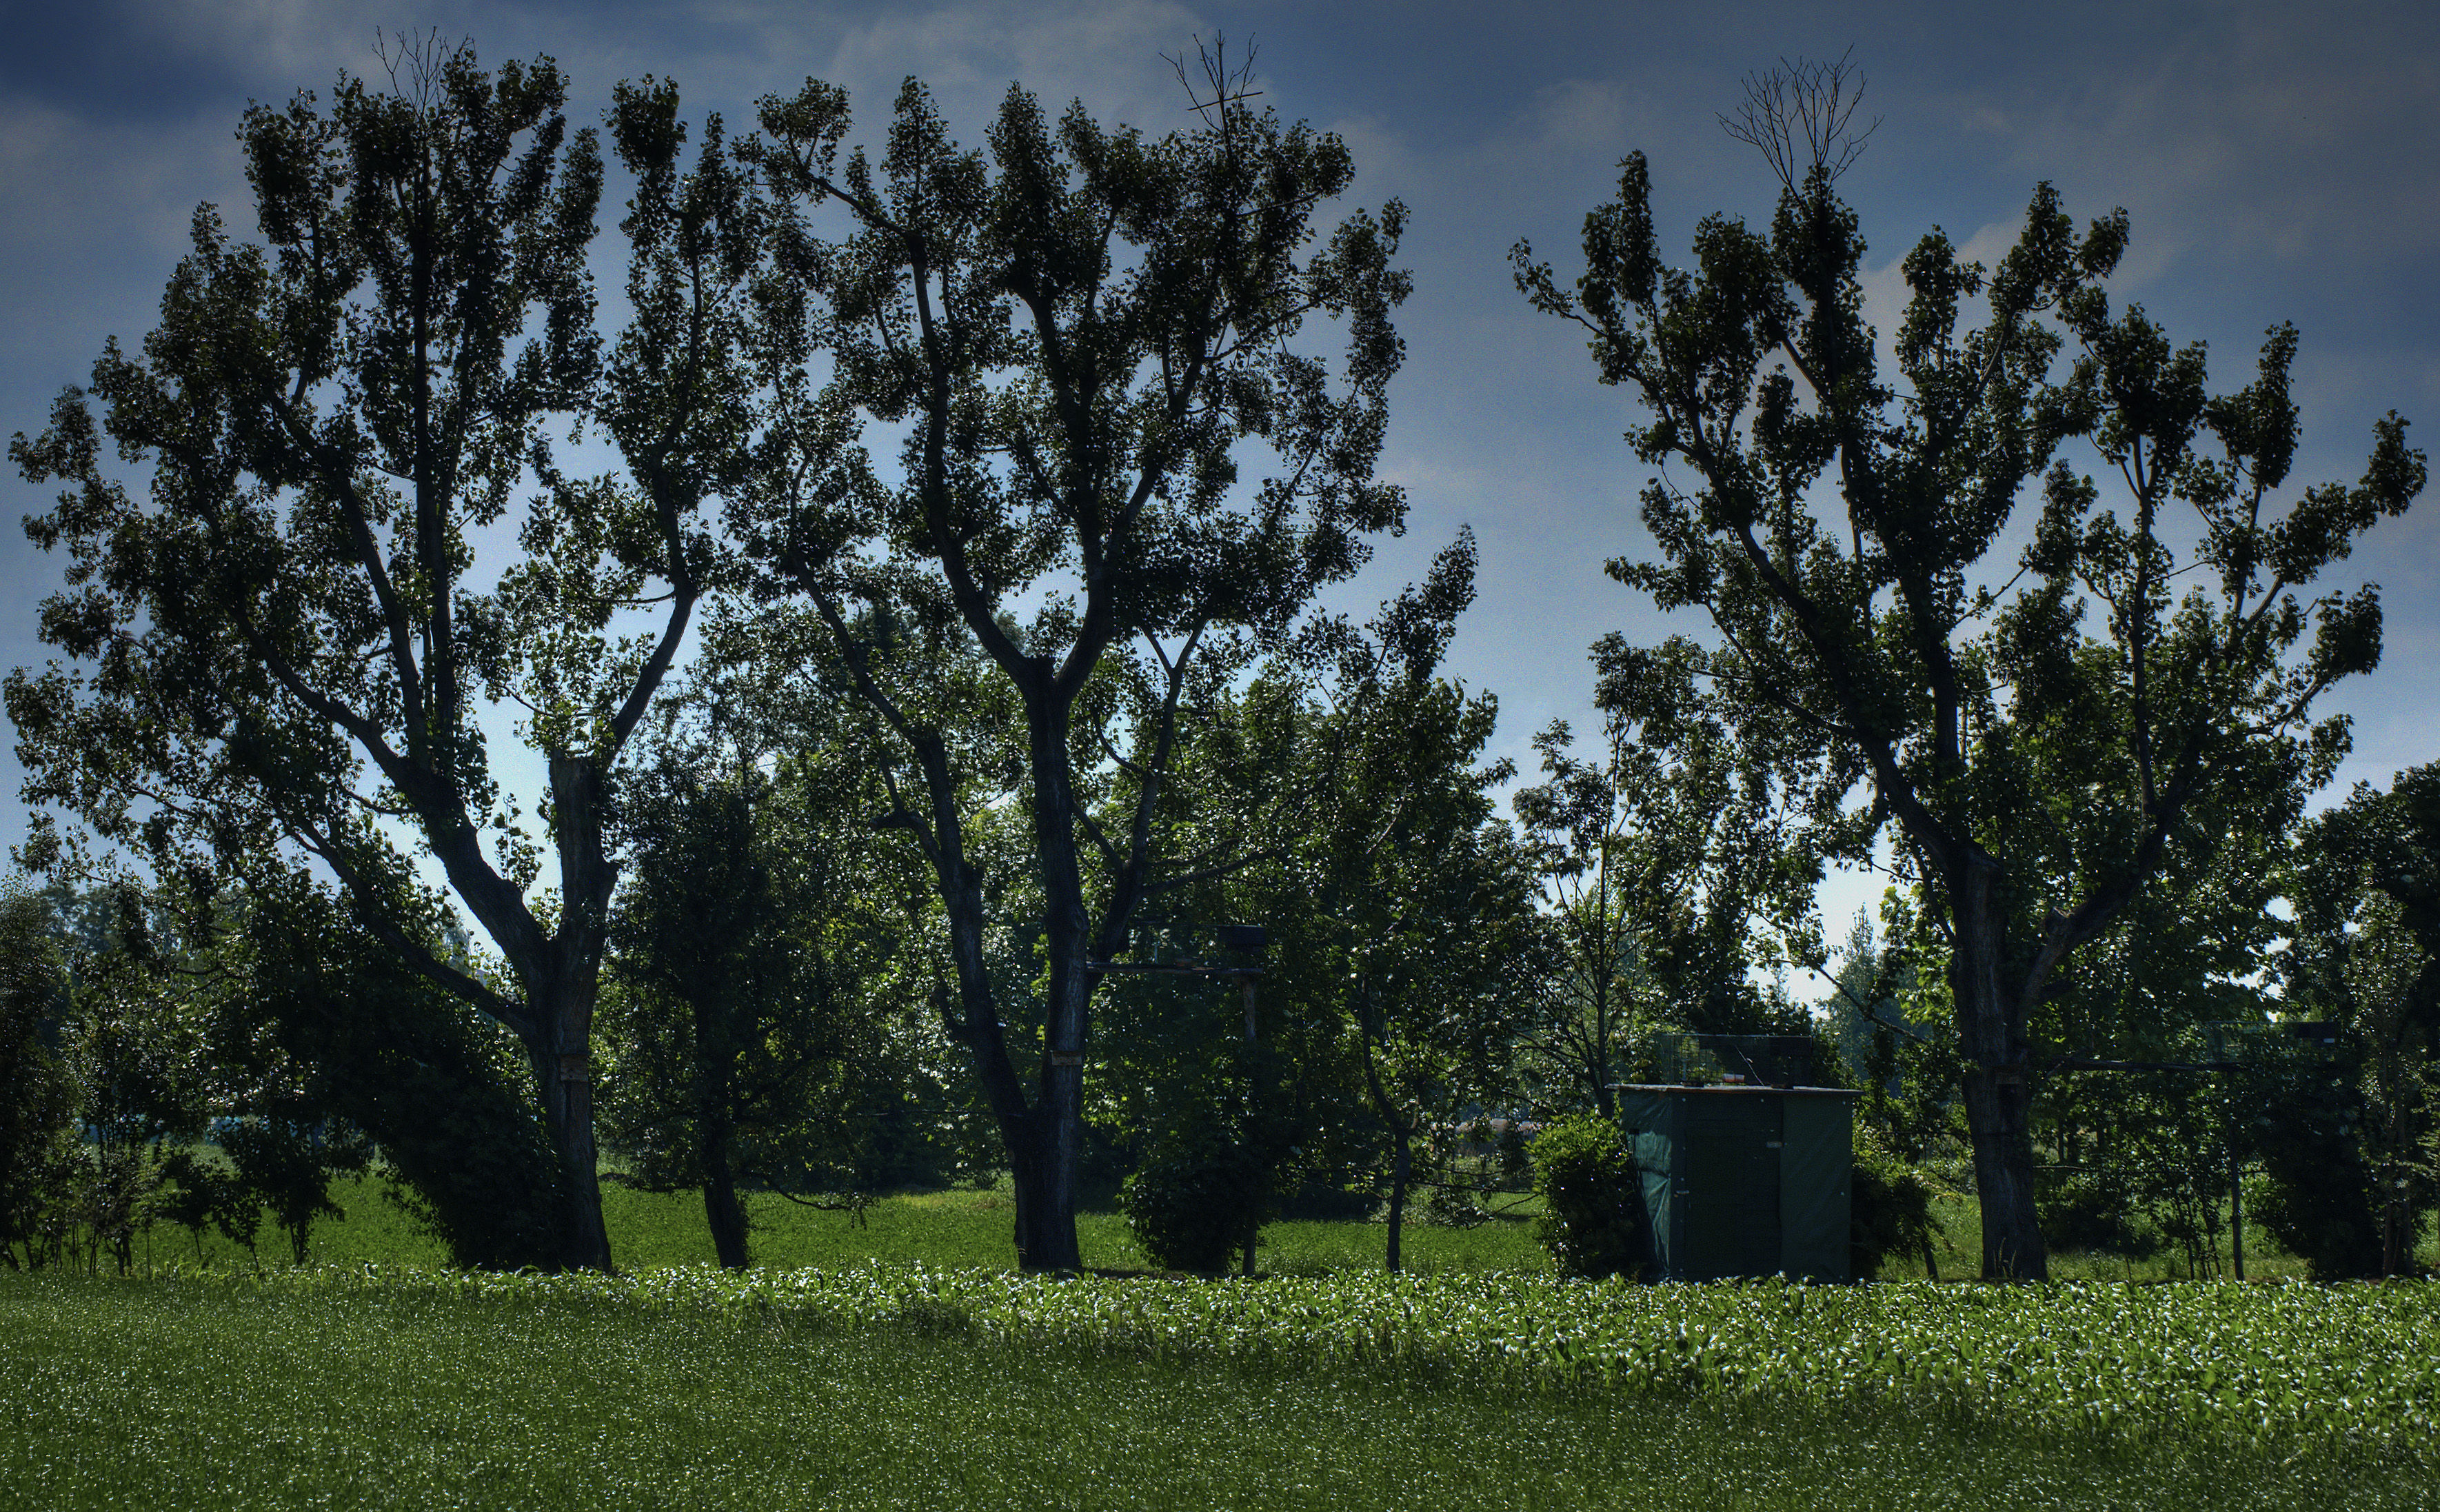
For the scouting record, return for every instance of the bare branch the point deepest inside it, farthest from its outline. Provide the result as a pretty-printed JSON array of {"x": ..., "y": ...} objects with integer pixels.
[{"x": 1801, "y": 116}]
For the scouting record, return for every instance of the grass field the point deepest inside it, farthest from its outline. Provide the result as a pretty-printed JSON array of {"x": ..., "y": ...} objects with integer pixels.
[
  {"x": 969, "y": 1227},
  {"x": 959, "y": 1227},
  {"x": 339, "y": 1390}
]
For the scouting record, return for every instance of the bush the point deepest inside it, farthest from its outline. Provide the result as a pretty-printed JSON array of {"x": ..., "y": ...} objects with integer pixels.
[
  {"x": 1889, "y": 1210},
  {"x": 1592, "y": 1222},
  {"x": 1192, "y": 1198},
  {"x": 2303, "y": 1122},
  {"x": 2094, "y": 1210},
  {"x": 1453, "y": 1206},
  {"x": 445, "y": 1093}
]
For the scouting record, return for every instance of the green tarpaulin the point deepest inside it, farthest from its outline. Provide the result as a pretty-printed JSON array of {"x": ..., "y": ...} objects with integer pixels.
[{"x": 1742, "y": 1180}]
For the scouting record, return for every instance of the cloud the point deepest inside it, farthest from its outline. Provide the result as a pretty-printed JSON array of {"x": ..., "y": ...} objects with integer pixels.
[
  {"x": 1109, "y": 54},
  {"x": 2291, "y": 134}
]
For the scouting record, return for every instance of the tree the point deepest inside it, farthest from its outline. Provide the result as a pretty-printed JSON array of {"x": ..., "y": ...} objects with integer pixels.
[
  {"x": 288, "y": 648},
  {"x": 755, "y": 951},
  {"x": 2353, "y": 1147},
  {"x": 1080, "y": 336},
  {"x": 132, "y": 1053},
  {"x": 284, "y": 1158},
  {"x": 1421, "y": 895},
  {"x": 1663, "y": 864},
  {"x": 1899, "y": 1045},
  {"x": 1979, "y": 700},
  {"x": 35, "y": 1106}
]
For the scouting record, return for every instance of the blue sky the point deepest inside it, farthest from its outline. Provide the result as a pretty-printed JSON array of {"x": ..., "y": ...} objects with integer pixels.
[{"x": 2279, "y": 162}]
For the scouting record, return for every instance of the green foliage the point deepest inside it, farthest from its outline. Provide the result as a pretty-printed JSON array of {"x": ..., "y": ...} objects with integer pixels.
[
  {"x": 36, "y": 1107},
  {"x": 1194, "y": 1193},
  {"x": 1584, "y": 1171},
  {"x": 132, "y": 1053},
  {"x": 1889, "y": 1211},
  {"x": 204, "y": 1193},
  {"x": 2352, "y": 1147},
  {"x": 1349, "y": 782},
  {"x": 445, "y": 1094},
  {"x": 760, "y": 1002},
  {"x": 2096, "y": 1209},
  {"x": 2302, "y": 1121},
  {"x": 2375, "y": 864},
  {"x": 1669, "y": 869},
  {"x": 286, "y": 1166}
]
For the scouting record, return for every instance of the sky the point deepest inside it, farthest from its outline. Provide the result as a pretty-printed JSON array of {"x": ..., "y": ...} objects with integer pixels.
[{"x": 2278, "y": 162}]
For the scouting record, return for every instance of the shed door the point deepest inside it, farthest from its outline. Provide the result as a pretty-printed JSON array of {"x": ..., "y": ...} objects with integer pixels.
[{"x": 1733, "y": 1154}]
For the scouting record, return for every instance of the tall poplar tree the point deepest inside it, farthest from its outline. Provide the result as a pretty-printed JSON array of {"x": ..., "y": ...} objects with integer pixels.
[
  {"x": 284, "y": 642},
  {"x": 2040, "y": 732},
  {"x": 1084, "y": 336}
]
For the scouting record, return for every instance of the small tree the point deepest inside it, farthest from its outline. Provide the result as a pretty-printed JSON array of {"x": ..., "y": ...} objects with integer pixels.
[
  {"x": 1666, "y": 865},
  {"x": 1421, "y": 895},
  {"x": 132, "y": 1049},
  {"x": 284, "y": 1159},
  {"x": 2359, "y": 1137},
  {"x": 204, "y": 1194},
  {"x": 1197, "y": 1187},
  {"x": 36, "y": 1105},
  {"x": 752, "y": 1026}
]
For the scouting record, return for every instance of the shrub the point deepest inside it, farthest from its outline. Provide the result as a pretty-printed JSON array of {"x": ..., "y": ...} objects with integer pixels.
[
  {"x": 2303, "y": 1121},
  {"x": 1192, "y": 1197},
  {"x": 1592, "y": 1222},
  {"x": 1452, "y": 1205},
  {"x": 201, "y": 1192},
  {"x": 445, "y": 1093},
  {"x": 2094, "y": 1210},
  {"x": 1888, "y": 1212}
]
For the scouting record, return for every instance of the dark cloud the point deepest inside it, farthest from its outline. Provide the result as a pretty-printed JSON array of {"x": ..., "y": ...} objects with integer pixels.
[{"x": 109, "y": 61}]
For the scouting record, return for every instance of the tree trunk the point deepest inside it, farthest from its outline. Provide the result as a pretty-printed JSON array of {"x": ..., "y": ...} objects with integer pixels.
[
  {"x": 1401, "y": 1166},
  {"x": 1605, "y": 1101},
  {"x": 2397, "y": 1212},
  {"x": 564, "y": 1069},
  {"x": 1058, "y": 1119},
  {"x": 1997, "y": 1091},
  {"x": 1046, "y": 1214},
  {"x": 720, "y": 1205}
]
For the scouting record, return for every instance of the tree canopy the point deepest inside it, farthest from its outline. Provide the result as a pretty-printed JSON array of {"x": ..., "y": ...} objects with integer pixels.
[
  {"x": 2040, "y": 728},
  {"x": 286, "y": 642},
  {"x": 1083, "y": 335}
]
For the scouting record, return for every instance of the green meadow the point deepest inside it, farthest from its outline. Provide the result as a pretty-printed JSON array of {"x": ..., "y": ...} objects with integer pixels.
[{"x": 958, "y": 1226}]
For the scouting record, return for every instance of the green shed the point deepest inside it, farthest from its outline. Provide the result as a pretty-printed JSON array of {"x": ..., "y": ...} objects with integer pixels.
[{"x": 1742, "y": 1180}]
